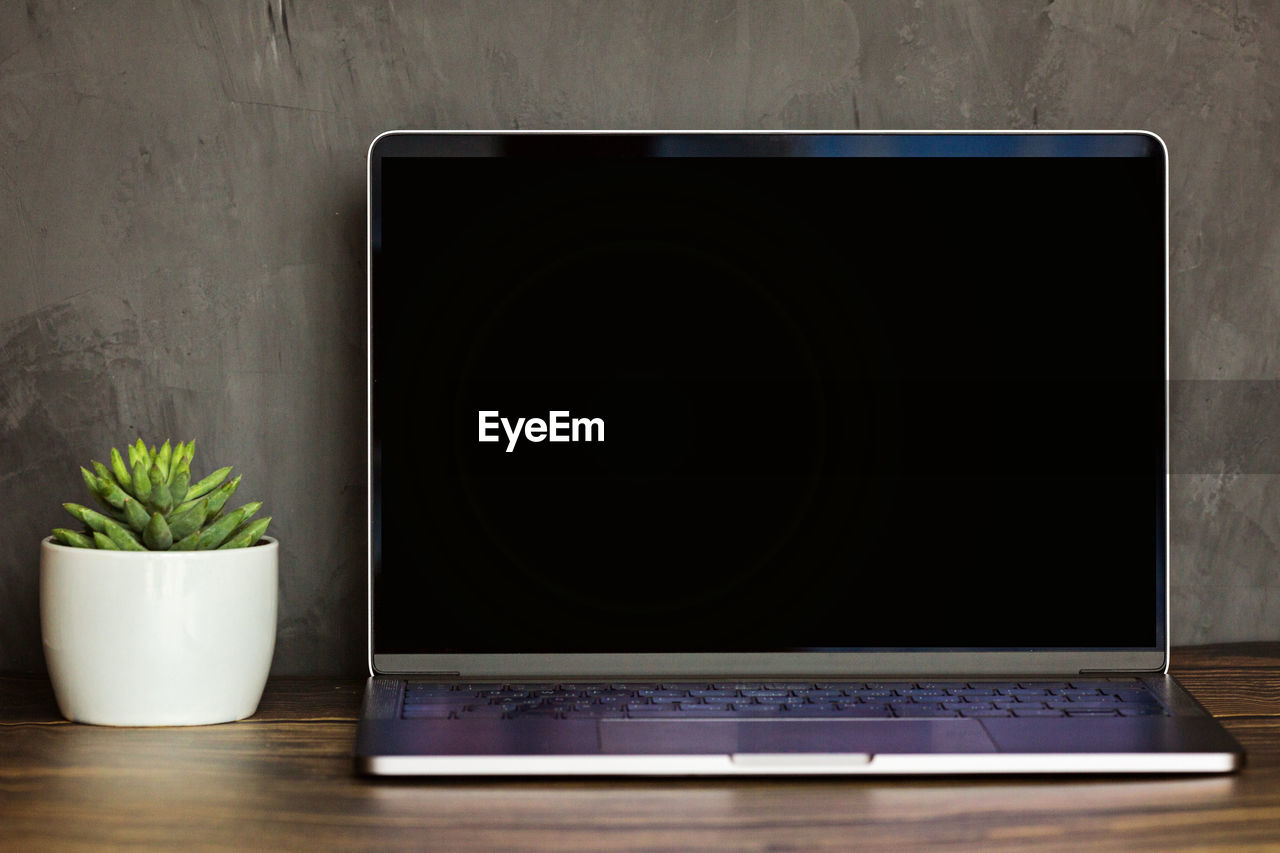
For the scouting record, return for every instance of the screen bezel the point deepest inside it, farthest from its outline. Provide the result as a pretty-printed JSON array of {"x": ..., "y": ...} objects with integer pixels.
[{"x": 1034, "y": 661}]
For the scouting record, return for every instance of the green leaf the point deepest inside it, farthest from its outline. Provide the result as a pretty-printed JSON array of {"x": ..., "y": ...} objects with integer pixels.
[
  {"x": 71, "y": 538},
  {"x": 161, "y": 500},
  {"x": 102, "y": 471},
  {"x": 187, "y": 543},
  {"x": 141, "y": 482},
  {"x": 121, "y": 472},
  {"x": 178, "y": 489},
  {"x": 247, "y": 535},
  {"x": 189, "y": 521},
  {"x": 219, "y": 498},
  {"x": 175, "y": 464},
  {"x": 215, "y": 534},
  {"x": 157, "y": 535},
  {"x": 123, "y": 539},
  {"x": 104, "y": 542},
  {"x": 162, "y": 460},
  {"x": 109, "y": 491},
  {"x": 135, "y": 515},
  {"x": 93, "y": 520},
  {"x": 208, "y": 484}
]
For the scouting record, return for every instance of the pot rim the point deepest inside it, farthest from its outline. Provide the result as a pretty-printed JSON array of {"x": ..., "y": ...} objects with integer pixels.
[{"x": 47, "y": 542}]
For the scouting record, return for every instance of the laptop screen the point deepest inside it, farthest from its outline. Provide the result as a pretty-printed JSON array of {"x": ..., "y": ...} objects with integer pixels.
[{"x": 740, "y": 393}]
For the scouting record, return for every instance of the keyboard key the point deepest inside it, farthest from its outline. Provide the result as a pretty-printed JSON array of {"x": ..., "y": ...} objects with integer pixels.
[
  {"x": 757, "y": 708},
  {"x": 1109, "y": 712},
  {"x": 669, "y": 700},
  {"x": 882, "y": 707},
  {"x": 683, "y": 686},
  {"x": 482, "y": 712},
  {"x": 1083, "y": 706},
  {"x": 788, "y": 685},
  {"x": 427, "y": 712},
  {"x": 972, "y": 691},
  {"x": 818, "y": 693},
  {"x": 942, "y": 685},
  {"x": 763, "y": 692},
  {"x": 649, "y": 711},
  {"x": 841, "y": 685},
  {"x": 660, "y": 692},
  {"x": 873, "y": 711},
  {"x": 712, "y": 692},
  {"x": 1038, "y": 712},
  {"x": 738, "y": 685},
  {"x": 1139, "y": 710},
  {"x": 985, "y": 712},
  {"x": 966, "y": 706},
  {"x": 816, "y": 711},
  {"x": 890, "y": 685},
  {"x": 720, "y": 700},
  {"x": 923, "y": 711},
  {"x": 427, "y": 687}
]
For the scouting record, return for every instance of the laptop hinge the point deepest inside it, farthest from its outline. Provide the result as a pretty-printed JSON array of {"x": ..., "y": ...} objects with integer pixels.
[
  {"x": 427, "y": 674},
  {"x": 1120, "y": 671},
  {"x": 419, "y": 674}
]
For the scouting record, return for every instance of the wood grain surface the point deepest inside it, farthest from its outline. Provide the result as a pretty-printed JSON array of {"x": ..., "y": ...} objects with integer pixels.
[{"x": 284, "y": 780}]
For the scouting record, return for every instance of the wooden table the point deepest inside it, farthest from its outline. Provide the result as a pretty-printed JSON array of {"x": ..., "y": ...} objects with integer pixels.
[{"x": 283, "y": 779}]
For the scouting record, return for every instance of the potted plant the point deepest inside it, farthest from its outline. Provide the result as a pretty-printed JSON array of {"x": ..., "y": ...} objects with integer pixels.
[{"x": 160, "y": 610}]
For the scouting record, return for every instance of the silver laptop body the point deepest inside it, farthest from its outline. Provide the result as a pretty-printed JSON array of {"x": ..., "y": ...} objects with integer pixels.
[{"x": 430, "y": 634}]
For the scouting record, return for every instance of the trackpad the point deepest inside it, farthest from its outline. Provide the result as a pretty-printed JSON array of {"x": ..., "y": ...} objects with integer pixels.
[{"x": 682, "y": 737}]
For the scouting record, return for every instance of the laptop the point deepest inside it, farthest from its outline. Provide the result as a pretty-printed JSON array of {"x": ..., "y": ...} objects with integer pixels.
[{"x": 771, "y": 453}]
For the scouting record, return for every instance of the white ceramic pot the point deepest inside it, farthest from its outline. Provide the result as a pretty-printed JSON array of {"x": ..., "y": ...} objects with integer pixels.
[{"x": 162, "y": 638}]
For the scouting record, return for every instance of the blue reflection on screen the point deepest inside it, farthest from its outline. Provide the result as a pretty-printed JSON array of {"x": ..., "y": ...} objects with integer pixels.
[{"x": 907, "y": 145}]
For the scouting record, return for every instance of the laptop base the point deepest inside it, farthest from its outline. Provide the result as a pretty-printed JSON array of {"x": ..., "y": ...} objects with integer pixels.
[{"x": 1189, "y": 741}]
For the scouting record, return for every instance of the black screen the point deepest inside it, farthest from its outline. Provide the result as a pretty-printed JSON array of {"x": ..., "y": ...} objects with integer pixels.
[{"x": 786, "y": 402}]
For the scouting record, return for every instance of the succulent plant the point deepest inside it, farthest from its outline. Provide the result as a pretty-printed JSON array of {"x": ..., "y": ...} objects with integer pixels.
[{"x": 152, "y": 505}]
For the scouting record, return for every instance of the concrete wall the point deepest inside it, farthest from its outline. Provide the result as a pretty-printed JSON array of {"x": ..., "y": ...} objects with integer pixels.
[{"x": 181, "y": 226}]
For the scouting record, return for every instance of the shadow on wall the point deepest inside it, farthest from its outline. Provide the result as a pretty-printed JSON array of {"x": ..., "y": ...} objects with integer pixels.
[{"x": 324, "y": 572}]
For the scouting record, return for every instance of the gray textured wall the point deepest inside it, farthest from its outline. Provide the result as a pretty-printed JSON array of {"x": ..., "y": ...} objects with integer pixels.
[{"x": 181, "y": 225}]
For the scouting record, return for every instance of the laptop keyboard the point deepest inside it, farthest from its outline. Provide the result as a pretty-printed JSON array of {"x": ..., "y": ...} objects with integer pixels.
[{"x": 787, "y": 700}]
